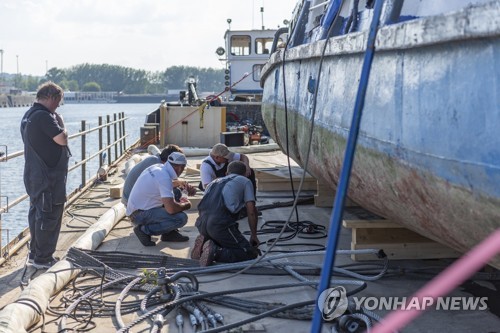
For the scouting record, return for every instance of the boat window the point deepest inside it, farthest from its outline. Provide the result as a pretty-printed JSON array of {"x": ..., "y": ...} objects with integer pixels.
[
  {"x": 263, "y": 45},
  {"x": 256, "y": 69},
  {"x": 240, "y": 45}
]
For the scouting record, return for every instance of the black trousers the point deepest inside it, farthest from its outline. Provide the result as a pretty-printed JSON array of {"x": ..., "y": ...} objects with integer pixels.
[
  {"x": 44, "y": 229},
  {"x": 234, "y": 246}
]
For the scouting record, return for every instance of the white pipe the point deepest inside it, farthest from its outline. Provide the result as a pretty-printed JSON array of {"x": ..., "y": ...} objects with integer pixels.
[{"x": 18, "y": 316}]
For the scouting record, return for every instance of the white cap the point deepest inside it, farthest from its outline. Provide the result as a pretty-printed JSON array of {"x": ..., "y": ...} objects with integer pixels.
[{"x": 177, "y": 158}]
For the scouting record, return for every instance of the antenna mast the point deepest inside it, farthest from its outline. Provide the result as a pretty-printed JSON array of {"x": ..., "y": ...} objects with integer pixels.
[{"x": 262, "y": 16}]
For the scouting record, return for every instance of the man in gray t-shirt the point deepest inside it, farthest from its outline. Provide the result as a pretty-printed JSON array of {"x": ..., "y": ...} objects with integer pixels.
[{"x": 220, "y": 239}]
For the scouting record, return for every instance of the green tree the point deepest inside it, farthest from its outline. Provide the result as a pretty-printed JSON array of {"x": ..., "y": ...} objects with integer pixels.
[
  {"x": 72, "y": 85},
  {"x": 56, "y": 75},
  {"x": 91, "y": 86},
  {"x": 30, "y": 83},
  {"x": 124, "y": 79}
]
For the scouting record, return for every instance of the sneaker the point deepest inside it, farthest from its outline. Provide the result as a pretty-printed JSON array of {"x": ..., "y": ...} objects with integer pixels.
[
  {"x": 45, "y": 265},
  {"x": 207, "y": 257},
  {"x": 174, "y": 236},
  {"x": 145, "y": 239},
  {"x": 198, "y": 246}
]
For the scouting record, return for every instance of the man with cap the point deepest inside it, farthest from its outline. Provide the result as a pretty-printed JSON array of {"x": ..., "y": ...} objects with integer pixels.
[
  {"x": 146, "y": 163},
  {"x": 151, "y": 205},
  {"x": 215, "y": 165}
]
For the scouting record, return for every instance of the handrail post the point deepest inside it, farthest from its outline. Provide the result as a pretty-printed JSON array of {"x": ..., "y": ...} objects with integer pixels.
[
  {"x": 99, "y": 122},
  {"x": 108, "y": 120},
  {"x": 116, "y": 136},
  {"x": 124, "y": 136},
  {"x": 84, "y": 148}
]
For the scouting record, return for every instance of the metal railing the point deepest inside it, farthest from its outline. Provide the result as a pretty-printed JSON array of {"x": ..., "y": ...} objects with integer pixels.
[{"x": 113, "y": 155}]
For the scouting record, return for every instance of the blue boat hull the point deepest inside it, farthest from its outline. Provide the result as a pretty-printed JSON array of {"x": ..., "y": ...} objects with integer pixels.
[{"x": 428, "y": 153}]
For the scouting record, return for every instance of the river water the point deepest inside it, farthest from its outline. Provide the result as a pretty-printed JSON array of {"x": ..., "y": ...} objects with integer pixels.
[{"x": 11, "y": 172}]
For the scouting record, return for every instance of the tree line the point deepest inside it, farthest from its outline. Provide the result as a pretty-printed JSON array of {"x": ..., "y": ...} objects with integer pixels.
[{"x": 126, "y": 80}]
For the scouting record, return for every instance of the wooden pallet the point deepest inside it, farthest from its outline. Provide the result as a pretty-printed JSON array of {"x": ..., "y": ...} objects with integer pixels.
[
  {"x": 396, "y": 241},
  {"x": 278, "y": 179}
]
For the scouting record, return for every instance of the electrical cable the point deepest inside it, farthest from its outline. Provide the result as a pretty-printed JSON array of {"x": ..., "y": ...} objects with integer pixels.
[
  {"x": 340, "y": 196},
  {"x": 86, "y": 308}
]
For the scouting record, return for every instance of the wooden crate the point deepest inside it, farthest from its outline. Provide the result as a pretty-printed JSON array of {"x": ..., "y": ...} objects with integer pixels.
[{"x": 396, "y": 241}]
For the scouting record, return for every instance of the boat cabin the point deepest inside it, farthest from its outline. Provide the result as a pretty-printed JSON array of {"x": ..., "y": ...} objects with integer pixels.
[{"x": 246, "y": 53}]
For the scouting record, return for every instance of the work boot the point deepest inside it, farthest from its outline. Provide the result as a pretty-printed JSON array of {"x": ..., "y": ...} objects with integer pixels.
[
  {"x": 208, "y": 253},
  {"x": 174, "y": 236},
  {"x": 45, "y": 265},
  {"x": 144, "y": 238},
  {"x": 198, "y": 246}
]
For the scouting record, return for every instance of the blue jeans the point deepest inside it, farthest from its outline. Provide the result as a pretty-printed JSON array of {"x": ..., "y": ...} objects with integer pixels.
[{"x": 157, "y": 221}]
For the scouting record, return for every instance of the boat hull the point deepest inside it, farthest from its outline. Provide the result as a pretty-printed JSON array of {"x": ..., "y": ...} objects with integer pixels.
[{"x": 428, "y": 150}]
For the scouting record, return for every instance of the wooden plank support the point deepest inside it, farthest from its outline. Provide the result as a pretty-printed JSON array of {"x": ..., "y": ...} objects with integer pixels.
[
  {"x": 191, "y": 171},
  {"x": 325, "y": 197},
  {"x": 278, "y": 179},
  {"x": 396, "y": 241},
  {"x": 116, "y": 192}
]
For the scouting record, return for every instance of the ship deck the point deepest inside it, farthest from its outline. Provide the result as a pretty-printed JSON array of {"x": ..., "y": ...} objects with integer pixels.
[{"x": 402, "y": 279}]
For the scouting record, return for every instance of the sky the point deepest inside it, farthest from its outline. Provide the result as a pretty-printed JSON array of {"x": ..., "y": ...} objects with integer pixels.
[{"x": 36, "y": 35}]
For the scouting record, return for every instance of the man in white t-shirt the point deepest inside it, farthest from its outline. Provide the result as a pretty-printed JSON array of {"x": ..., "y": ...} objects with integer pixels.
[
  {"x": 146, "y": 163},
  {"x": 151, "y": 205},
  {"x": 215, "y": 165}
]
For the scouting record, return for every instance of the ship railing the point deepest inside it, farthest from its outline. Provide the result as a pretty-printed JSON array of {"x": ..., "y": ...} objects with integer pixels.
[{"x": 111, "y": 140}]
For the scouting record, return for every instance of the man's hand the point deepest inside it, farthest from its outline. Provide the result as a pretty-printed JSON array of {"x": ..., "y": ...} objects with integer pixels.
[
  {"x": 254, "y": 241},
  {"x": 191, "y": 190},
  {"x": 183, "y": 200}
]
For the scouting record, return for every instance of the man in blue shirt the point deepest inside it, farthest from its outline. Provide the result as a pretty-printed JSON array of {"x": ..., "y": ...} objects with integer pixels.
[{"x": 220, "y": 239}]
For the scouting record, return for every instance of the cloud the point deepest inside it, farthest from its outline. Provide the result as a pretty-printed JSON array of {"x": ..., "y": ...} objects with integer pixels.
[{"x": 150, "y": 35}]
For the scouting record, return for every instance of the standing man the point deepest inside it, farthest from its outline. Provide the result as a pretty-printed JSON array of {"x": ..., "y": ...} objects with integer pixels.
[
  {"x": 146, "y": 163},
  {"x": 215, "y": 165},
  {"x": 46, "y": 157},
  {"x": 220, "y": 239},
  {"x": 151, "y": 205}
]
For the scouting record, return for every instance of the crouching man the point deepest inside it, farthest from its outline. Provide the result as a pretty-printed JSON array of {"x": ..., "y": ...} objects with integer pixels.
[
  {"x": 220, "y": 240},
  {"x": 151, "y": 205}
]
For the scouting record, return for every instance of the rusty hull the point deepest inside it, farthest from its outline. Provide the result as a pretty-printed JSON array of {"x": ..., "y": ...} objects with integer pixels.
[
  {"x": 448, "y": 214},
  {"x": 428, "y": 150}
]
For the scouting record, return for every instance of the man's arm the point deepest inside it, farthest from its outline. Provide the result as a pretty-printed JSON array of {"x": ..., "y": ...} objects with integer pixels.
[
  {"x": 173, "y": 207},
  {"x": 62, "y": 138},
  {"x": 244, "y": 159},
  {"x": 252, "y": 222}
]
